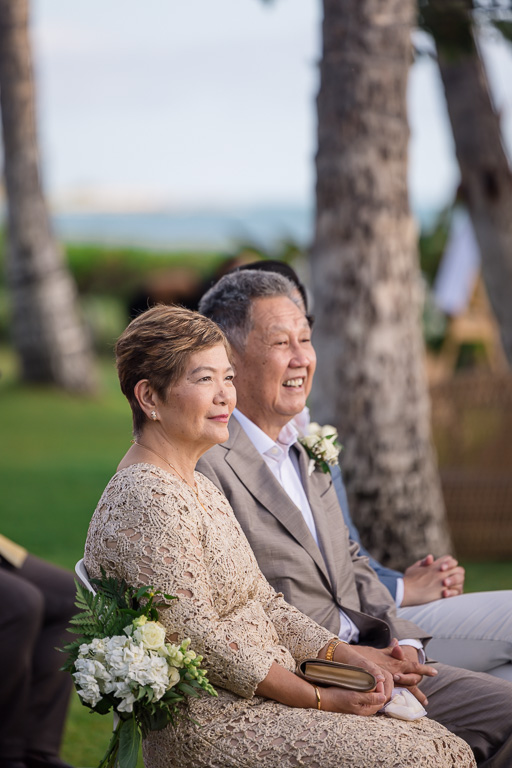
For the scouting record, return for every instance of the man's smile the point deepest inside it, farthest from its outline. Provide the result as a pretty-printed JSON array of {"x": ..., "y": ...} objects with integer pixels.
[{"x": 298, "y": 382}]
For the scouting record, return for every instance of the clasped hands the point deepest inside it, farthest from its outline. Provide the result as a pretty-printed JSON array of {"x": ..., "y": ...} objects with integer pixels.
[
  {"x": 429, "y": 579},
  {"x": 396, "y": 665}
]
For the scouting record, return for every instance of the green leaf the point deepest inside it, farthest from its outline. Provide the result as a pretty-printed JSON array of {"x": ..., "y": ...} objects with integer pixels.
[
  {"x": 129, "y": 743},
  {"x": 103, "y": 706},
  {"x": 142, "y": 592},
  {"x": 186, "y": 688},
  {"x": 159, "y": 719}
]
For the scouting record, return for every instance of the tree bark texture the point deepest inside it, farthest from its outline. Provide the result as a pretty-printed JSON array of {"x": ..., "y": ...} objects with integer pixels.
[
  {"x": 484, "y": 167},
  {"x": 370, "y": 379},
  {"x": 47, "y": 329}
]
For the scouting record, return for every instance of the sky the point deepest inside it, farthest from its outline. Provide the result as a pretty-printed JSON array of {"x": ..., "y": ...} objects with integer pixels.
[{"x": 205, "y": 104}]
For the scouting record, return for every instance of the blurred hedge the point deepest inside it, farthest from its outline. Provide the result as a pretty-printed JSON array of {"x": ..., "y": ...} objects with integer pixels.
[{"x": 107, "y": 277}]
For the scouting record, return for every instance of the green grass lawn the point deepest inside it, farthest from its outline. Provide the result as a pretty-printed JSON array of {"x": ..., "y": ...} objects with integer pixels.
[{"x": 57, "y": 454}]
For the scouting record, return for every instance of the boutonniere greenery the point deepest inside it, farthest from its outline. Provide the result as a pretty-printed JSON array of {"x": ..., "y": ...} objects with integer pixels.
[{"x": 322, "y": 446}]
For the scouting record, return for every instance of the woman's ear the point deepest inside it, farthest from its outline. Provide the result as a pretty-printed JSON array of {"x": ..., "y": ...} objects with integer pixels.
[{"x": 145, "y": 395}]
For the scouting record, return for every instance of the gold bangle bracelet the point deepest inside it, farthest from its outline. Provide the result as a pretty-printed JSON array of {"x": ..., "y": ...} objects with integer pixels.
[
  {"x": 318, "y": 699},
  {"x": 332, "y": 647}
]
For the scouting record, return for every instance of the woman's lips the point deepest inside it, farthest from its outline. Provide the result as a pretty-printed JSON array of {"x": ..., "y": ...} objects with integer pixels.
[{"x": 224, "y": 418}]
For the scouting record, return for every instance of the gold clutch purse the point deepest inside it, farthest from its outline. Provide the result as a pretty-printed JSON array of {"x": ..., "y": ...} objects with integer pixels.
[{"x": 323, "y": 672}]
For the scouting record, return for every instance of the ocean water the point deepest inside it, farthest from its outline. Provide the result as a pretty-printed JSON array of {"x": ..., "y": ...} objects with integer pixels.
[{"x": 265, "y": 227}]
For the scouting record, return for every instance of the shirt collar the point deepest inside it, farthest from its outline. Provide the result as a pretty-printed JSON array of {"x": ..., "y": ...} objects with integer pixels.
[
  {"x": 263, "y": 443},
  {"x": 301, "y": 421}
]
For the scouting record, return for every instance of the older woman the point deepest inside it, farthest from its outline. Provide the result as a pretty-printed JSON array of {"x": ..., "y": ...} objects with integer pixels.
[{"x": 161, "y": 523}]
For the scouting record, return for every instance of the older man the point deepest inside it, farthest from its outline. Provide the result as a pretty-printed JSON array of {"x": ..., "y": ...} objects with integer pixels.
[
  {"x": 473, "y": 631},
  {"x": 292, "y": 519}
]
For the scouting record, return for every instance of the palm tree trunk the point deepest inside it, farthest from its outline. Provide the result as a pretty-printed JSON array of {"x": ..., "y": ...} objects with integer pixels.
[
  {"x": 47, "y": 330},
  {"x": 484, "y": 166},
  {"x": 370, "y": 379}
]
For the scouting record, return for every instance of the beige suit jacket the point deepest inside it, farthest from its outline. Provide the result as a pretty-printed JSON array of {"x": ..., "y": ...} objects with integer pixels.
[{"x": 316, "y": 579}]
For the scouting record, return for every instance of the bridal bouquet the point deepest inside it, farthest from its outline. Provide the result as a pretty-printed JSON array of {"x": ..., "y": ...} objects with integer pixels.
[
  {"x": 322, "y": 446},
  {"x": 122, "y": 663}
]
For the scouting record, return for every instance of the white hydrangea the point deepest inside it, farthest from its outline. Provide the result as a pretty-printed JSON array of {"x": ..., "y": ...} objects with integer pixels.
[
  {"x": 88, "y": 688},
  {"x": 121, "y": 665}
]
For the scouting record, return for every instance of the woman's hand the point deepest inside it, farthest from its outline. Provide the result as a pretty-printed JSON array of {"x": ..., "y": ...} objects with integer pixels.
[
  {"x": 288, "y": 688},
  {"x": 334, "y": 699},
  {"x": 349, "y": 654}
]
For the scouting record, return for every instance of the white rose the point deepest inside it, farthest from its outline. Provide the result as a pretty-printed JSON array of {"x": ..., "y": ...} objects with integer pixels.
[
  {"x": 151, "y": 635},
  {"x": 330, "y": 452},
  {"x": 328, "y": 431},
  {"x": 310, "y": 441},
  {"x": 314, "y": 428}
]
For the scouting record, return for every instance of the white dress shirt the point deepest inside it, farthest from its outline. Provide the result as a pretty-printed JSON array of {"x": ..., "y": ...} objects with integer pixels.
[{"x": 284, "y": 465}]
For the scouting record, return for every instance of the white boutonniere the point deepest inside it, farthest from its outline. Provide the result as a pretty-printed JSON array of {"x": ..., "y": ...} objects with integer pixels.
[{"x": 322, "y": 446}]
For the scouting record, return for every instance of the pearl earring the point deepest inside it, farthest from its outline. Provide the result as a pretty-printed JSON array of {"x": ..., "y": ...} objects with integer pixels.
[{"x": 153, "y": 415}]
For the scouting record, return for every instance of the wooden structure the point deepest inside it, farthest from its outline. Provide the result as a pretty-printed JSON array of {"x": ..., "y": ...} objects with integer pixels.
[
  {"x": 475, "y": 326},
  {"x": 472, "y": 425}
]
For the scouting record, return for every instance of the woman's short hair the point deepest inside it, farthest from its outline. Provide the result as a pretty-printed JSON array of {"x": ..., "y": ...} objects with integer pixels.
[
  {"x": 156, "y": 346},
  {"x": 229, "y": 301}
]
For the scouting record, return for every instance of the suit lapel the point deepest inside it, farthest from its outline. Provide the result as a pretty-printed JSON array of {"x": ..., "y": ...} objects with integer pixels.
[
  {"x": 254, "y": 474},
  {"x": 316, "y": 485}
]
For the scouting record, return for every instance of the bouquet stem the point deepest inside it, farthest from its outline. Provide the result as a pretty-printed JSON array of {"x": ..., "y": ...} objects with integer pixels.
[{"x": 110, "y": 757}]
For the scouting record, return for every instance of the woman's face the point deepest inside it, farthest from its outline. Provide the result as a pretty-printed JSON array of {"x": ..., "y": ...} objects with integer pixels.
[{"x": 197, "y": 408}]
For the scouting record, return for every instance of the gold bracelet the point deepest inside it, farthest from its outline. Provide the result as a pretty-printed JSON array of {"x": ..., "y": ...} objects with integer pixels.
[
  {"x": 332, "y": 647},
  {"x": 318, "y": 699}
]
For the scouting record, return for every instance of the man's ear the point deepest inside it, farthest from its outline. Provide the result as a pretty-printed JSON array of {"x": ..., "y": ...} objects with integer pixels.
[{"x": 145, "y": 395}]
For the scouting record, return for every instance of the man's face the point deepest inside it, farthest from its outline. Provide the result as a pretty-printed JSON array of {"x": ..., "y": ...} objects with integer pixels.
[{"x": 273, "y": 375}]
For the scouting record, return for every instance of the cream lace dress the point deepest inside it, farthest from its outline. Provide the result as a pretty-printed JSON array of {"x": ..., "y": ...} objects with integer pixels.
[{"x": 149, "y": 528}]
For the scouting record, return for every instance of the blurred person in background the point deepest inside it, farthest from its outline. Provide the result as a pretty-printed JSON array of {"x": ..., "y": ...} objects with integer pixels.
[{"x": 37, "y": 603}]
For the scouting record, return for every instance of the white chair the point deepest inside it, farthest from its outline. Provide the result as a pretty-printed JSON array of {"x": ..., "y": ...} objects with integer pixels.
[{"x": 83, "y": 576}]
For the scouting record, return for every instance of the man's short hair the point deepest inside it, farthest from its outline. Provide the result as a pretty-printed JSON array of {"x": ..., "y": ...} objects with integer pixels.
[{"x": 229, "y": 302}]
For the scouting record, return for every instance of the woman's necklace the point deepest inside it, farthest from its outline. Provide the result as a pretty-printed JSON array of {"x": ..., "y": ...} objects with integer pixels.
[{"x": 194, "y": 487}]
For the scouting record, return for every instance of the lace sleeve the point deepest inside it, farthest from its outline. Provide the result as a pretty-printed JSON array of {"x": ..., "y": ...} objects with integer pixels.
[
  {"x": 301, "y": 635},
  {"x": 152, "y": 532}
]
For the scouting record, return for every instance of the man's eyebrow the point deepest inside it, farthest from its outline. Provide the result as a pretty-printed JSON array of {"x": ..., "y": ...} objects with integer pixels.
[{"x": 285, "y": 329}]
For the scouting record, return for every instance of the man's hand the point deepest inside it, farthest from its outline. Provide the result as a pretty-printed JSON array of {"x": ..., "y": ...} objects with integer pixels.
[
  {"x": 430, "y": 579},
  {"x": 400, "y": 664}
]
